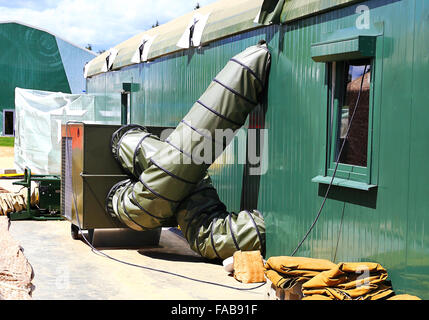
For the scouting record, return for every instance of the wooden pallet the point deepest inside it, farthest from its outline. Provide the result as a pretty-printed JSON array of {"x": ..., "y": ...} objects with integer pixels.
[{"x": 275, "y": 293}]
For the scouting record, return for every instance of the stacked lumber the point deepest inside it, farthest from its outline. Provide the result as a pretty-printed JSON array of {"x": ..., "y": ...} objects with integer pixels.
[
  {"x": 17, "y": 201},
  {"x": 12, "y": 202}
]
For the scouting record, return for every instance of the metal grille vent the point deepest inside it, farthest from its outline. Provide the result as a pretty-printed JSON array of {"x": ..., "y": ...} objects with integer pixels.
[{"x": 66, "y": 178}]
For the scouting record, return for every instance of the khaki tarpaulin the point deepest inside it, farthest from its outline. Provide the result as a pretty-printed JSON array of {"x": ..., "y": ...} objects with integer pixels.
[
  {"x": 323, "y": 280},
  {"x": 404, "y": 297},
  {"x": 352, "y": 280},
  {"x": 284, "y": 272}
]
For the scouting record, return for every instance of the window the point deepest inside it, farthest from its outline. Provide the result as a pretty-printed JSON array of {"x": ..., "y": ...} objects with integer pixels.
[
  {"x": 350, "y": 98},
  {"x": 353, "y": 60},
  {"x": 8, "y": 122}
]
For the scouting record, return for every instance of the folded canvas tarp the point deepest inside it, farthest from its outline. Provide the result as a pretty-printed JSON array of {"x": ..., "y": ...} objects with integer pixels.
[
  {"x": 39, "y": 116},
  {"x": 350, "y": 280},
  {"x": 285, "y": 272},
  {"x": 175, "y": 177}
]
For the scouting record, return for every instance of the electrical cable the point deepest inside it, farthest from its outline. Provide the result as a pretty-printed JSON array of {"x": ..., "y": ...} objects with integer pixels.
[
  {"x": 98, "y": 252},
  {"x": 336, "y": 166},
  {"x": 339, "y": 232}
]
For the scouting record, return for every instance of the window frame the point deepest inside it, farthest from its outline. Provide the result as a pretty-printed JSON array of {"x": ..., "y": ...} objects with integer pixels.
[
  {"x": 336, "y": 95},
  {"x": 332, "y": 48}
]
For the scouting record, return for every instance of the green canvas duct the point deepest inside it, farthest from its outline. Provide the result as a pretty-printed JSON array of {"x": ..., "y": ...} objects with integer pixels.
[
  {"x": 210, "y": 230},
  {"x": 177, "y": 167},
  {"x": 168, "y": 179},
  {"x": 133, "y": 146}
]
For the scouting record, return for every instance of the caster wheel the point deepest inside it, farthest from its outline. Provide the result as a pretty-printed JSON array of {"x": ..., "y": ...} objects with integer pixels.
[{"x": 75, "y": 232}]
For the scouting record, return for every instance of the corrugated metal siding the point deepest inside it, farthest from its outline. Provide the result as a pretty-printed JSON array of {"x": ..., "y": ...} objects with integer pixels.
[
  {"x": 386, "y": 225},
  {"x": 416, "y": 272}
]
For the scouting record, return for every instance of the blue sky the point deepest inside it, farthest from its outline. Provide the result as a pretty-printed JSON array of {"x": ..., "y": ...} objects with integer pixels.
[{"x": 101, "y": 23}]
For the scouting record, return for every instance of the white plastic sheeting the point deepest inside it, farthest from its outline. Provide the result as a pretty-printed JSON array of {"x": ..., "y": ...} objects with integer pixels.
[
  {"x": 197, "y": 23},
  {"x": 142, "y": 52},
  {"x": 39, "y": 116}
]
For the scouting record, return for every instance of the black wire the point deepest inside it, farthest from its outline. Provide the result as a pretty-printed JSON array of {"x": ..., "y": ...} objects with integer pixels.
[
  {"x": 339, "y": 232},
  {"x": 98, "y": 252},
  {"x": 336, "y": 166}
]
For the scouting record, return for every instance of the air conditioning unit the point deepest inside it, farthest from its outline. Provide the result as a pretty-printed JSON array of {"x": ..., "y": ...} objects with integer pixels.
[{"x": 88, "y": 172}]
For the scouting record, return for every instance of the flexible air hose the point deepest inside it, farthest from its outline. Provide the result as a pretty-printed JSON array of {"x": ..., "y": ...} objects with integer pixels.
[
  {"x": 212, "y": 231},
  {"x": 180, "y": 165},
  {"x": 209, "y": 229}
]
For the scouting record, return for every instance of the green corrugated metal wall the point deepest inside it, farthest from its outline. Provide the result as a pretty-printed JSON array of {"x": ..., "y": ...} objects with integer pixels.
[{"x": 386, "y": 225}]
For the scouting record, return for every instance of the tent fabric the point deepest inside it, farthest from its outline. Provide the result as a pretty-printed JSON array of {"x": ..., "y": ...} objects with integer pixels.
[
  {"x": 39, "y": 116},
  {"x": 271, "y": 11},
  {"x": 183, "y": 161},
  {"x": 225, "y": 18},
  {"x": 283, "y": 11}
]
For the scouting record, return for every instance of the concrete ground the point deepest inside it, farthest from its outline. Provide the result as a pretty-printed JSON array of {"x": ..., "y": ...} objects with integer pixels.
[
  {"x": 67, "y": 269},
  {"x": 6, "y": 158}
]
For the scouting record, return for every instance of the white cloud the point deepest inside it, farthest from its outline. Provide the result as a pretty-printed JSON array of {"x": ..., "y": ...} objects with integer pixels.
[{"x": 102, "y": 23}]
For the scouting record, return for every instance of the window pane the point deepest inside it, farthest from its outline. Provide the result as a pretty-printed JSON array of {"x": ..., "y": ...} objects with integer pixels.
[{"x": 355, "y": 150}]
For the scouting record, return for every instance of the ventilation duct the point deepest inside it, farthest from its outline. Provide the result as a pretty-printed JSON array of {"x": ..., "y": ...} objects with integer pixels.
[{"x": 167, "y": 177}]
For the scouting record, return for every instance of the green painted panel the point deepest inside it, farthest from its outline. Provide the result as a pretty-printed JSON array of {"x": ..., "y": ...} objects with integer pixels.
[
  {"x": 416, "y": 272},
  {"x": 348, "y": 49}
]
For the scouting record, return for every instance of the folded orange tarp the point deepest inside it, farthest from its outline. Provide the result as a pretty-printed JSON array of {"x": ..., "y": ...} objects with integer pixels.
[
  {"x": 404, "y": 297},
  {"x": 285, "y": 271},
  {"x": 361, "y": 280}
]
